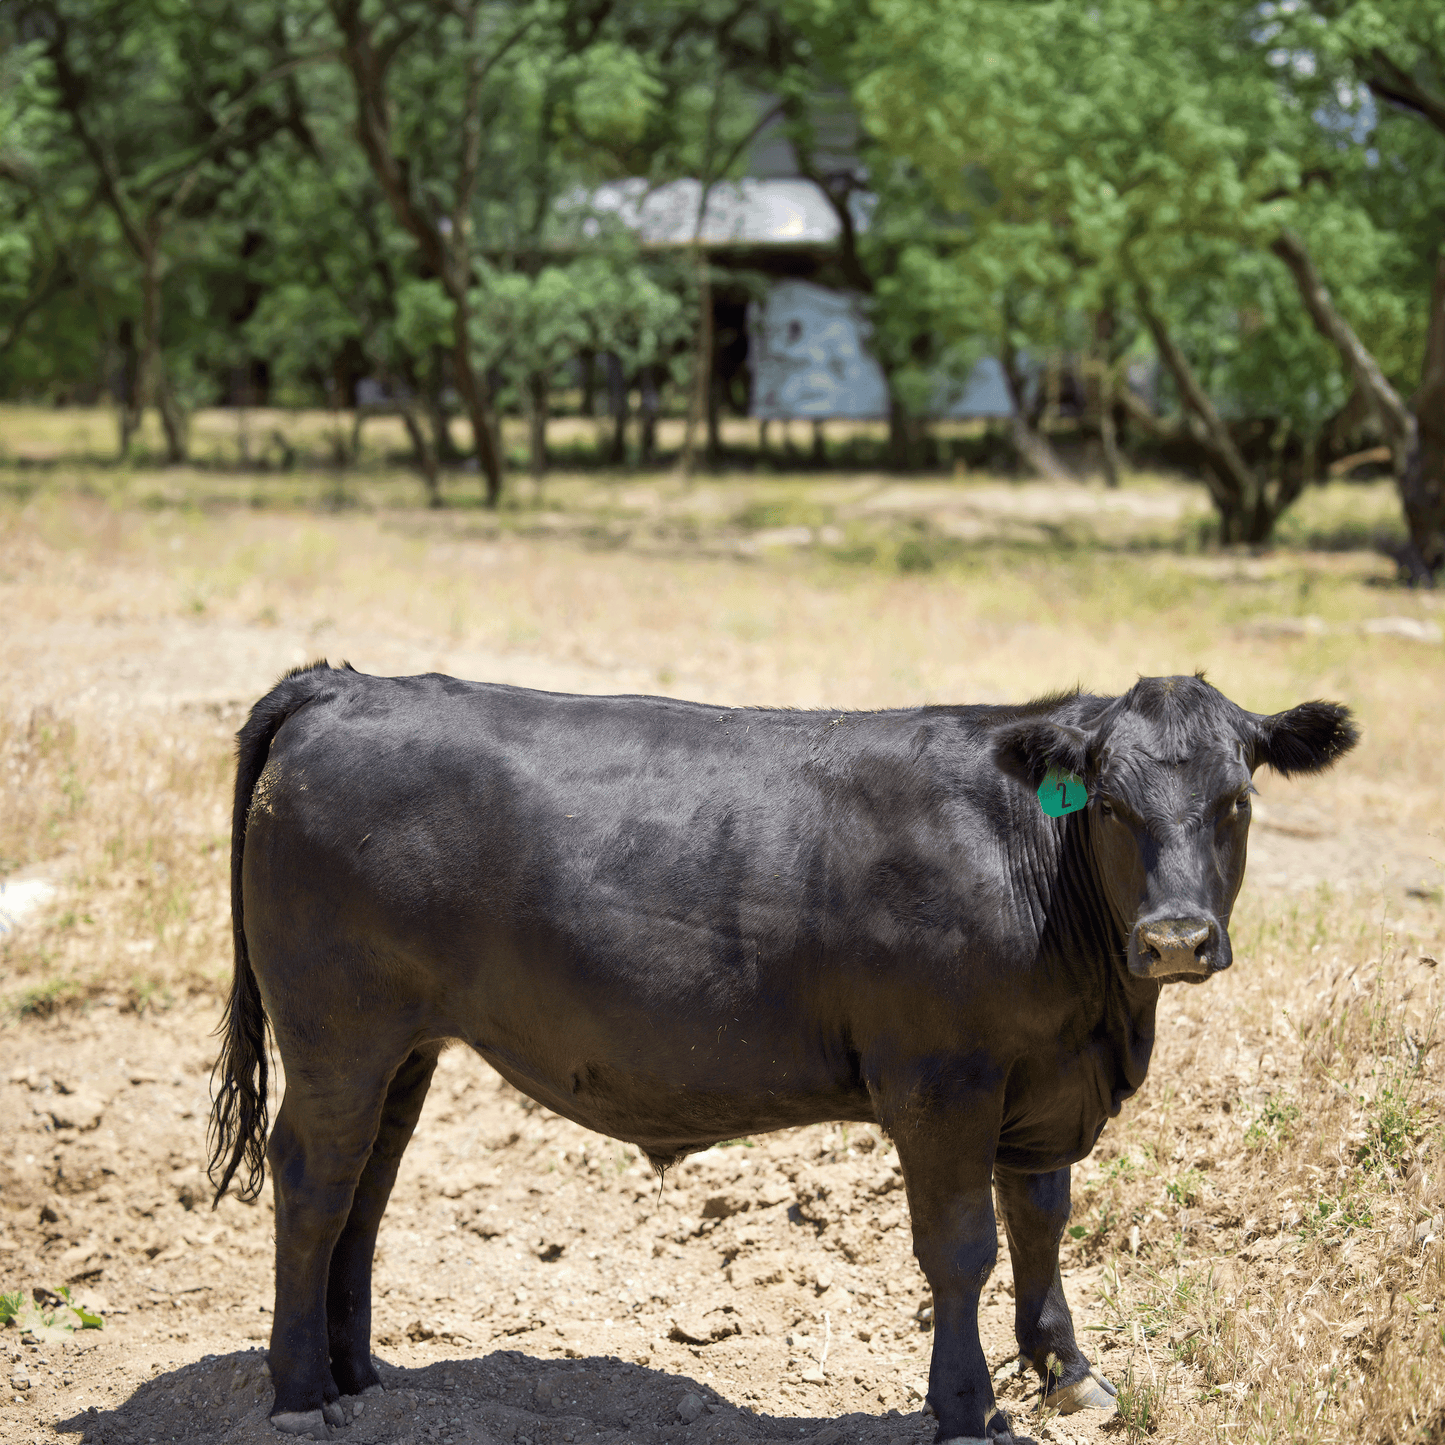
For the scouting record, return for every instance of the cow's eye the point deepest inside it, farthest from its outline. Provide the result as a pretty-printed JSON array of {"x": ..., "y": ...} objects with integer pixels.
[
  {"x": 1241, "y": 803},
  {"x": 1106, "y": 807}
]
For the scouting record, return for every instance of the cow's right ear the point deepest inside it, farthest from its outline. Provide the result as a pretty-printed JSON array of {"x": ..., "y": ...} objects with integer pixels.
[{"x": 1029, "y": 750}]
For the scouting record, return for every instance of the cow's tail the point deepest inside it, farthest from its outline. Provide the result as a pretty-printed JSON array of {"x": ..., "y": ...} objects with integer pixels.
[{"x": 239, "y": 1119}]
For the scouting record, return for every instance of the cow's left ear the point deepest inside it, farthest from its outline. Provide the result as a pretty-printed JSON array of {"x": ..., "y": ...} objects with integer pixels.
[
  {"x": 1304, "y": 739},
  {"x": 1029, "y": 750}
]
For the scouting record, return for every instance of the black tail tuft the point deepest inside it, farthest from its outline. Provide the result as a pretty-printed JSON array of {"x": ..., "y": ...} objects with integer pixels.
[{"x": 239, "y": 1117}]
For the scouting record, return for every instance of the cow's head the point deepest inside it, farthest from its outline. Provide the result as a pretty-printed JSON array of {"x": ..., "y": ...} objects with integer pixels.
[{"x": 1168, "y": 768}]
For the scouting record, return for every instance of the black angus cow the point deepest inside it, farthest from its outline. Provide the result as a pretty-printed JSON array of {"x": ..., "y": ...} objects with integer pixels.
[{"x": 677, "y": 924}]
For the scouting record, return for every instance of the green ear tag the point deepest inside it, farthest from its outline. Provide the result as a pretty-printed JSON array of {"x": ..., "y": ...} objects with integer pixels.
[{"x": 1061, "y": 793}]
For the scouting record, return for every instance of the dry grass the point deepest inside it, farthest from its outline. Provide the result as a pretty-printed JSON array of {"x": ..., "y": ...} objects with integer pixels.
[{"x": 1259, "y": 1206}]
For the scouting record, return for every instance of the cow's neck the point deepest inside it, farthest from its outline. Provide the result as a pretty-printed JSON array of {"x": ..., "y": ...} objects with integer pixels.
[{"x": 1085, "y": 942}]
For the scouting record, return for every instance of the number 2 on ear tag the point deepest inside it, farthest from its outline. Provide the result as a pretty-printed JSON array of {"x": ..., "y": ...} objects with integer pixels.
[{"x": 1061, "y": 793}]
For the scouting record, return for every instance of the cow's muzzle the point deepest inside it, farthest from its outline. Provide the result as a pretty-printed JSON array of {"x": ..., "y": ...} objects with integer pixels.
[{"x": 1178, "y": 948}]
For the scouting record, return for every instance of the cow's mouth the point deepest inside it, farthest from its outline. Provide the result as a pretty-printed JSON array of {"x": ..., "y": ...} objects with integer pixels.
[{"x": 1178, "y": 950}]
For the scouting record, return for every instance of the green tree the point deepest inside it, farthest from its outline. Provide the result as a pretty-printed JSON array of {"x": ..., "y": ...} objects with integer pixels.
[
  {"x": 165, "y": 105},
  {"x": 1148, "y": 147},
  {"x": 1396, "y": 50}
]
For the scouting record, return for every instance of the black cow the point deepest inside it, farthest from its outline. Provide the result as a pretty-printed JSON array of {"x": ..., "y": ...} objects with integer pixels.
[{"x": 677, "y": 924}]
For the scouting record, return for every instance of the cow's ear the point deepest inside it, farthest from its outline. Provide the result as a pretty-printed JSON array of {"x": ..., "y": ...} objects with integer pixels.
[
  {"x": 1029, "y": 750},
  {"x": 1304, "y": 739}
]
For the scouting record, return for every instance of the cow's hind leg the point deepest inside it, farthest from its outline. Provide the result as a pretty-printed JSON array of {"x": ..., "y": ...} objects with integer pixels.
[
  {"x": 319, "y": 1147},
  {"x": 1035, "y": 1209},
  {"x": 348, "y": 1292}
]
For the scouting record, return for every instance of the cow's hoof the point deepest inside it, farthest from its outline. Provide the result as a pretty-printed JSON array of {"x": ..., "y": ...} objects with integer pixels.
[
  {"x": 1093, "y": 1392},
  {"x": 334, "y": 1413},
  {"x": 311, "y": 1423},
  {"x": 373, "y": 1390}
]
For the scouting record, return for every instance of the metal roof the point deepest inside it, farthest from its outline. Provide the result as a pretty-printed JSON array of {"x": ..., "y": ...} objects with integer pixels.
[{"x": 749, "y": 212}]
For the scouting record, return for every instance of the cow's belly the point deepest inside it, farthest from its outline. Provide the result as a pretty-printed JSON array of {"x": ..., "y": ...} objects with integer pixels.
[{"x": 669, "y": 1036}]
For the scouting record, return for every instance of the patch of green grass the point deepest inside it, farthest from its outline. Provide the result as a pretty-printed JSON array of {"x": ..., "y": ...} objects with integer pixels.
[
  {"x": 914, "y": 556},
  {"x": 1393, "y": 1125},
  {"x": 147, "y": 994},
  {"x": 43, "y": 1000},
  {"x": 1186, "y": 1188},
  {"x": 10, "y": 1307},
  {"x": 786, "y": 511},
  {"x": 1273, "y": 1124},
  {"x": 1140, "y": 1405},
  {"x": 1336, "y": 1217}
]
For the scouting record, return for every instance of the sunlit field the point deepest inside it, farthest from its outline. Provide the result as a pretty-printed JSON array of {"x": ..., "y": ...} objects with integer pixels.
[{"x": 1260, "y": 1237}]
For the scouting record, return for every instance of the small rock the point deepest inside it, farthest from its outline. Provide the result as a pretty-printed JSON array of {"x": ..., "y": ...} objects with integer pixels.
[
  {"x": 20, "y": 1380},
  {"x": 692, "y": 1330},
  {"x": 831, "y": 1436},
  {"x": 724, "y": 1206},
  {"x": 80, "y": 1110},
  {"x": 814, "y": 1376},
  {"x": 689, "y": 1408}
]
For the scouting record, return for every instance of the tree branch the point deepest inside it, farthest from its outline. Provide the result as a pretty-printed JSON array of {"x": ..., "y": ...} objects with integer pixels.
[
  {"x": 1388, "y": 81},
  {"x": 1395, "y": 417},
  {"x": 1235, "y": 481},
  {"x": 56, "y": 279},
  {"x": 229, "y": 116},
  {"x": 471, "y": 148}
]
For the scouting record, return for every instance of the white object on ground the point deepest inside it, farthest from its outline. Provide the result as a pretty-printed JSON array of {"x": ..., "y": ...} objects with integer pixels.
[{"x": 20, "y": 898}]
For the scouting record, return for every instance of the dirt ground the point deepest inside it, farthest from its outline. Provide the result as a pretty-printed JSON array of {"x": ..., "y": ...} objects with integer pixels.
[{"x": 534, "y": 1282}]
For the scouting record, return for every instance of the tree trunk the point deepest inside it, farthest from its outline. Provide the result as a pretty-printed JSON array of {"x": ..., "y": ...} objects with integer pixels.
[
  {"x": 1103, "y": 395},
  {"x": 426, "y": 456},
  {"x": 151, "y": 386},
  {"x": 1108, "y": 433},
  {"x": 587, "y": 364},
  {"x": 1232, "y": 484},
  {"x": 436, "y": 408},
  {"x": 617, "y": 400},
  {"x": 1426, "y": 486},
  {"x": 899, "y": 450},
  {"x": 648, "y": 394},
  {"x": 127, "y": 385},
  {"x": 699, "y": 401},
  {"x": 537, "y": 400},
  {"x": 1033, "y": 448},
  {"x": 820, "y": 443},
  {"x": 477, "y": 401},
  {"x": 173, "y": 421},
  {"x": 1422, "y": 499},
  {"x": 714, "y": 422}
]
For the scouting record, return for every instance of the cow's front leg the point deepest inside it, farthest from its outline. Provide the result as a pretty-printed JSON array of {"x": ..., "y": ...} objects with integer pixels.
[
  {"x": 1035, "y": 1209},
  {"x": 955, "y": 1240}
]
